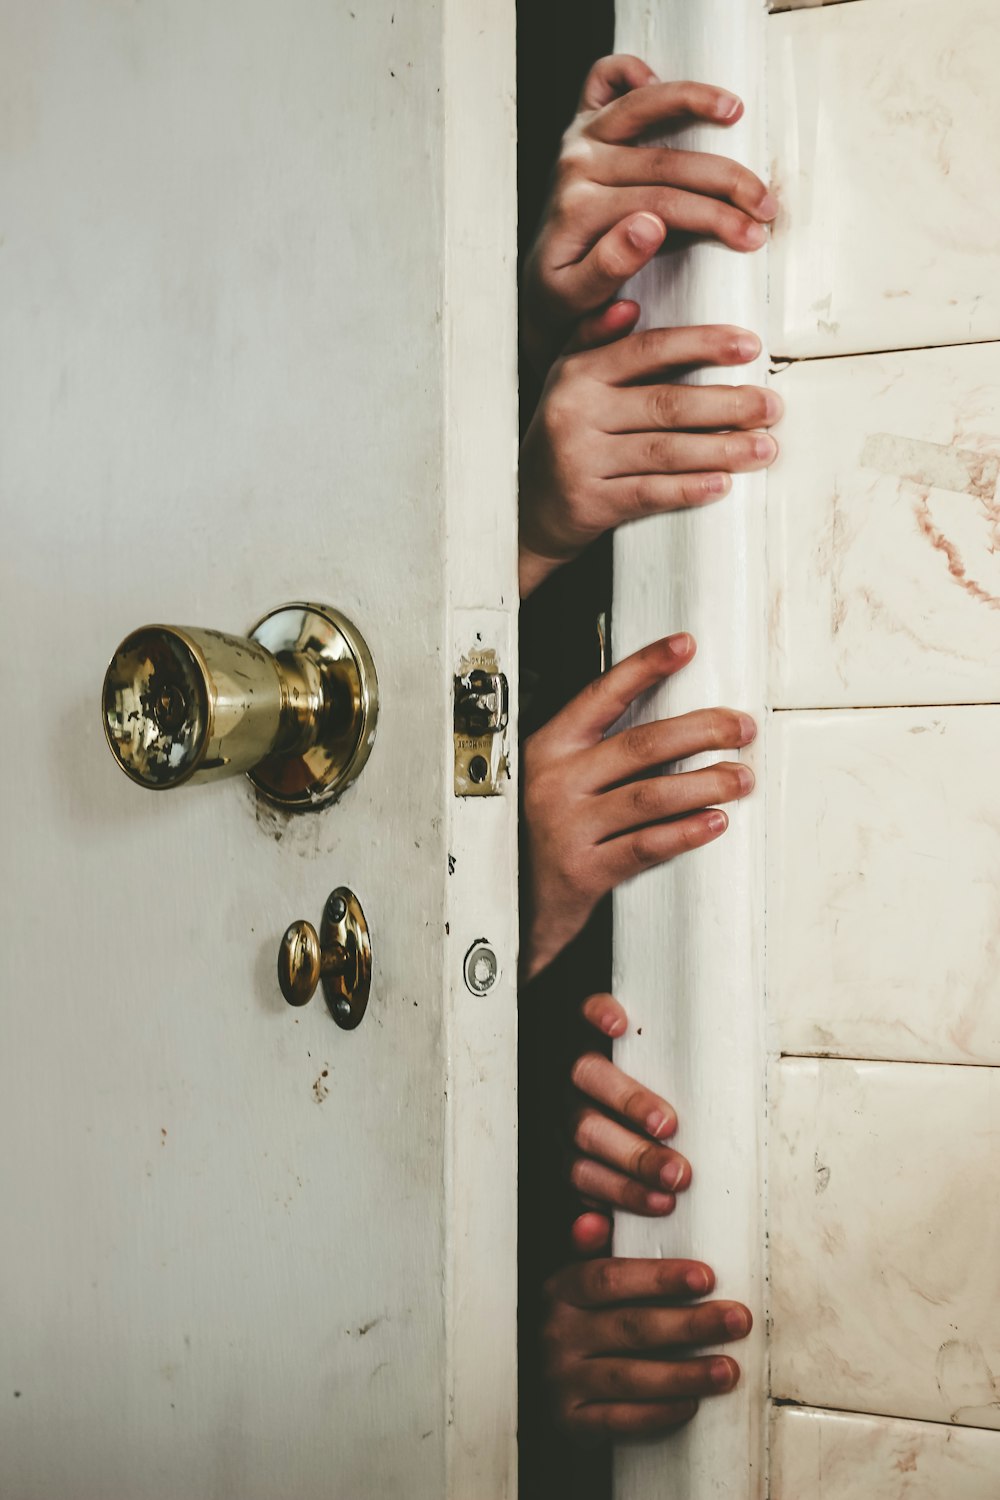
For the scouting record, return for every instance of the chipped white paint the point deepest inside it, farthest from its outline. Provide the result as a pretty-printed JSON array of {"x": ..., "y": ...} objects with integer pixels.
[
  {"x": 883, "y": 527},
  {"x": 687, "y": 937},
  {"x": 832, "y": 1455},
  {"x": 885, "y": 941},
  {"x": 885, "y": 138},
  {"x": 258, "y": 318},
  {"x": 884, "y": 1217}
]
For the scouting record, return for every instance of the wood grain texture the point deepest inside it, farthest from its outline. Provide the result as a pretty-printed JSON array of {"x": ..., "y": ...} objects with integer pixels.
[
  {"x": 230, "y": 1230},
  {"x": 687, "y": 961},
  {"x": 885, "y": 128},
  {"x": 883, "y": 519},
  {"x": 825, "y": 1455},
  {"x": 884, "y": 1216},
  {"x": 884, "y": 941}
]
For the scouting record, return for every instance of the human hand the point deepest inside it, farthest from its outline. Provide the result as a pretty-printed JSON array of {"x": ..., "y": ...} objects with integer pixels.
[
  {"x": 592, "y": 816},
  {"x": 614, "y": 437},
  {"x": 622, "y": 1162},
  {"x": 613, "y": 201},
  {"x": 615, "y": 1338}
]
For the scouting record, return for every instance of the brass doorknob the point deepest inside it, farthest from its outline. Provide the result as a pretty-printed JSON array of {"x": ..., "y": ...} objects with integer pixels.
[
  {"x": 339, "y": 956},
  {"x": 294, "y": 705}
]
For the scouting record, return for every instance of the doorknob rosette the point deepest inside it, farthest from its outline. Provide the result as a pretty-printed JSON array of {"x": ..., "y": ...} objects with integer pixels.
[{"x": 294, "y": 705}]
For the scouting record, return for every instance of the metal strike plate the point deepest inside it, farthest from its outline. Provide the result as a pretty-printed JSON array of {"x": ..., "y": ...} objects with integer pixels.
[{"x": 481, "y": 717}]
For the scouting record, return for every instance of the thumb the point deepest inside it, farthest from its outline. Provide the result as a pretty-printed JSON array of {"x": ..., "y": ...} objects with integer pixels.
[
  {"x": 612, "y": 322},
  {"x": 591, "y": 1234},
  {"x": 619, "y": 254}
]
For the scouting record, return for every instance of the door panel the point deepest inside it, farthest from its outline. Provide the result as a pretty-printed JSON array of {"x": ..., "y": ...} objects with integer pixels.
[
  {"x": 885, "y": 129},
  {"x": 885, "y": 1238},
  {"x": 870, "y": 954},
  {"x": 882, "y": 530},
  {"x": 820, "y": 1455},
  {"x": 238, "y": 240}
]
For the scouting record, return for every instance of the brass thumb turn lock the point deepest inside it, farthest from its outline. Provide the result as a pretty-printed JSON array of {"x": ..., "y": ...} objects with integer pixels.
[
  {"x": 339, "y": 956},
  {"x": 294, "y": 705}
]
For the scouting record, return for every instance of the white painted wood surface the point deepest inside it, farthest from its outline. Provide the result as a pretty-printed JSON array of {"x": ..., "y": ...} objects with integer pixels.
[
  {"x": 829, "y": 1455},
  {"x": 883, "y": 524},
  {"x": 885, "y": 941},
  {"x": 257, "y": 318},
  {"x": 687, "y": 938},
  {"x": 885, "y": 142},
  {"x": 884, "y": 1218}
]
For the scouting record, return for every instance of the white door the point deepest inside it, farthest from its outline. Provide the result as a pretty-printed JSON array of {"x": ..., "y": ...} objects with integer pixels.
[
  {"x": 258, "y": 346},
  {"x": 840, "y": 1103}
]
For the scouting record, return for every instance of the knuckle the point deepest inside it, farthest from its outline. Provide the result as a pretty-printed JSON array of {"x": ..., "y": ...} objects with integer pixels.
[
  {"x": 665, "y": 402},
  {"x": 601, "y": 1279},
  {"x": 644, "y": 800},
  {"x": 634, "y": 1102},
  {"x": 640, "y": 743},
  {"x": 628, "y": 1330},
  {"x": 644, "y": 850}
]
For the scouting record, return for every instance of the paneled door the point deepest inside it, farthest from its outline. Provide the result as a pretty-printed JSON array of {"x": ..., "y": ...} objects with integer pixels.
[
  {"x": 258, "y": 326},
  {"x": 824, "y": 1004}
]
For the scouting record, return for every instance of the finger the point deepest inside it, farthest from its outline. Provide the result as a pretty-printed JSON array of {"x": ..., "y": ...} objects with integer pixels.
[
  {"x": 694, "y": 171},
  {"x": 681, "y": 211},
  {"x": 646, "y": 746},
  {"x": 601, "y": 1080},
  {"x": 622, "y": 858},
  {"x": 600, "y": 1283},
  {"x": 606, "y": 1014},
  {"x": 634, "y": 453},
  {"x": 592, "y": 712},
  {"x": 641, "y": 1330},
  {"x": 623, "y": 1420},
  {"x": 615, "y": 1145},
  {"x": 604, "y": 327},
  {"x": 643, "y": 109},
  {"x": 689, "y": 408},
  {"x": 590, "y": 1234},
  {"x": 614, "y": 1190},
  {"x": 660, "y": 351},
  {"x": 621, "y": 253},
  {"x": 637, "y": 495},
  {"x": 612, "y": 76},
  {"x": 659, "y": 1380},
  {"x": 654, "y": 799}
]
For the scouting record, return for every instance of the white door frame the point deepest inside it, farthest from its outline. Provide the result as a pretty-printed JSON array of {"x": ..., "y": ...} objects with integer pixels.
[{"x": 688, "y": 960}]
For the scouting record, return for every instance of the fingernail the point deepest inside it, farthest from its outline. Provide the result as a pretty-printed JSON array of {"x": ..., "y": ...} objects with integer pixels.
[
  {"x": 721, "y": 1372},
  {"x": 774, "y": 407},
  {"x": 746, "y": 778},
  {"x": 679, "y": 645},
  {"x": 768, "y": 206},
  {"x": 727, "y": 105},
  {"x": 660, "y": 1203},
  {"x": 755, "y": 235},
  {"x": 736, "y": 1322},
  {"x": 765, "y": 448},
  {"x": 697, "y": 1280},
  {"x": 748, "y": 729},
  {"x": 671, "y": 1174},
  {"x": 612, "y": 1025},
  {"x": 748, "y": 346},
  {"x": 717, "y": 484},
  {"x": 659, "y": 1124},
  {"x": 645, "y": 232},
  {"x": 717, "y": 821}
]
